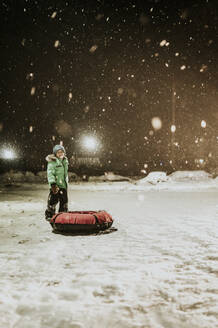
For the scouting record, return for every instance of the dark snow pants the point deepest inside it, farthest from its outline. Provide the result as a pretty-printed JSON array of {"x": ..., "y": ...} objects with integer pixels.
[{"x": 53, "y": 199}]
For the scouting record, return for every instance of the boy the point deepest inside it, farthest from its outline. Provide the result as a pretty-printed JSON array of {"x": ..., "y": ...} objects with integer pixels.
[{"x": 57, "y": 173}]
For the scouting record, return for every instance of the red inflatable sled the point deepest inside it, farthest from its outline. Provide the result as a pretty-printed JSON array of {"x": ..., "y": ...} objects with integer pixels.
[{"x": 81, "y": 222}]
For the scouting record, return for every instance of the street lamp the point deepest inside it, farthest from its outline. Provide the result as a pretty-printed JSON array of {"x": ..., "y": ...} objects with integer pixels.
[
  {"x": 8, "y": 154},
  {"x": 90, "y": 143}
]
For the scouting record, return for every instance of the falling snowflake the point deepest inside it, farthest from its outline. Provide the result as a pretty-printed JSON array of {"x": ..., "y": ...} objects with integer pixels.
[
  {"x": 203, "y": 68},
  {"x": 203, "y": 124},
  {"x": 173, "y": 128},
  {"x": 86, "y": 109},
  {"x": 93, "y": 48},
  {"x": 156, "y": 123},
  {"x": 164, "y": 43},
  {"x": 57, "y": 44},
  {"x": 33, "y": 91},
  {"x": 30, "y": 76},
  {"x": 23, "y": 42},
  {"x": 54, "y": 14},
  {"x": 70, "y": 96}
]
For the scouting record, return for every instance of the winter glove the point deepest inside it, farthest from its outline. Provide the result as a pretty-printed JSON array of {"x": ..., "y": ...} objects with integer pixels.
[{"x": 54, "y": 188}]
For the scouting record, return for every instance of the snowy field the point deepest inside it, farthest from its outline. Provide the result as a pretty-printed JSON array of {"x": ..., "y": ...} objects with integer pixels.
[{"x": 160, "y": 269}]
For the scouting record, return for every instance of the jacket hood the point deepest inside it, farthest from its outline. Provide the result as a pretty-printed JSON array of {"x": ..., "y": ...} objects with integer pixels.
[{"x": 52, "y": 157}]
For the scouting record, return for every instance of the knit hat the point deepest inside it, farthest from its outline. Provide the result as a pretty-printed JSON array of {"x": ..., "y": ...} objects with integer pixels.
[{"x": 58, "y": 147}]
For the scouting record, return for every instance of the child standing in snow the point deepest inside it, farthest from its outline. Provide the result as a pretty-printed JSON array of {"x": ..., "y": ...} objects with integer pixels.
[{"x": 57, "y": 173}]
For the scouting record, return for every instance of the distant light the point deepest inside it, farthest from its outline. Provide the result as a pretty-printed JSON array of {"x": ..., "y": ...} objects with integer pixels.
[
  {"x": 8, "y": 154},
  {"x": 156, "y": 123},
  {"x": 90, "y": 143},
  {"x": 173, "y": 128},
  {"x": 203, "y": 124},
  {"x": 183, "y": 67}
]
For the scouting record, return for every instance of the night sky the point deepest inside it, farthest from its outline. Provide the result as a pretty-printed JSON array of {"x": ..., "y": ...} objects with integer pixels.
[{"x": 106, "y": 69}]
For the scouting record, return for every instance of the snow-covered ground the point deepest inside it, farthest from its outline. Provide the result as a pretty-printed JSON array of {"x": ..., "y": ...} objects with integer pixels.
[{"x": 160, "y": 269}]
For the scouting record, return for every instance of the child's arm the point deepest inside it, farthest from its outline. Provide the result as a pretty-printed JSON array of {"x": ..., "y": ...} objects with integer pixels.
[{"x": 51, "y": 174}]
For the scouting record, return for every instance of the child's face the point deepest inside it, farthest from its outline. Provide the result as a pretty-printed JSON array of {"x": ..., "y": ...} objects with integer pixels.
[{"x": 60, "y": 154}]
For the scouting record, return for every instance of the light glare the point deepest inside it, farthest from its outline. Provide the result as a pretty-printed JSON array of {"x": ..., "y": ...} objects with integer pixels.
[
  {"x": 8, "y": 154},
  {"x": 90, "y": 143}
]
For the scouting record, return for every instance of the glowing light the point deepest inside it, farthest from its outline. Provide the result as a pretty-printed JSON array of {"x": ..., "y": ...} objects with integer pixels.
[
  {"x": 203, "y": 124},
  {"x": 173, "y": 128},
  {"x": 156, "y": 123},
  {"x": 8, "y": 154},
  {"x": 90, "y": 143}
]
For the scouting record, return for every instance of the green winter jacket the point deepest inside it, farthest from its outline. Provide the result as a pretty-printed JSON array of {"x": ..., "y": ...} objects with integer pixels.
[{"x": 57, "y": 171}]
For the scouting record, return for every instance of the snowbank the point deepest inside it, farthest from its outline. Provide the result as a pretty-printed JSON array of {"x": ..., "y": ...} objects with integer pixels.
[
  {"x": 42, "y": 176},
  {"x": 12, "y": 177},
  {"x": 178, "y": 181},
  {"x": 190, "y": 176},
  {"x": 108, "y": 176},
  {"x": 153, "y": 178},
  {"x": 73, "y": 177}
]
